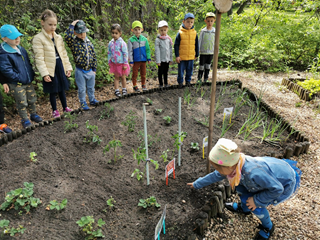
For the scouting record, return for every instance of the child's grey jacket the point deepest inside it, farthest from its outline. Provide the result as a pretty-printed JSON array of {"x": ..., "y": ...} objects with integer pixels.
[
  {"x": 206, "y": 41},
  {"x": 163, "y": 50},
  {"x": 270, "y": 179}
]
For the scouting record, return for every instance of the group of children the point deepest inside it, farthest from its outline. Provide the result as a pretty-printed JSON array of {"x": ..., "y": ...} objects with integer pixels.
[{"x": 52, "y": 62}]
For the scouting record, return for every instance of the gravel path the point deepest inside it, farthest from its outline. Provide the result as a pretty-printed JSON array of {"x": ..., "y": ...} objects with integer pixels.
[{"x": 299, "y": 217}]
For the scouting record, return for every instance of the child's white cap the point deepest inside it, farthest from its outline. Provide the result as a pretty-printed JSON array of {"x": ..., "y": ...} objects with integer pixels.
[
  {"x": 223, "y": 153},
  {"x": 162, "y": 24}
]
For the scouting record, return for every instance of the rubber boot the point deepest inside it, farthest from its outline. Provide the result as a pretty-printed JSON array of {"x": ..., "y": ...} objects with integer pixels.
[
  {"x": 206, "y": 75},
  {"x": 200, "y": 73}
]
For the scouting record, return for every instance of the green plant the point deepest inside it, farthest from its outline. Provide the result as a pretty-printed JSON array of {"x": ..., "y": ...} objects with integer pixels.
[
  {"x": 225, "y": 126},
  {"x": 56, "y": 205},
  {"x": 21, "y": 198},
  {"x": 164, "y": 155},
  {"x": 130, "y": 121},
  {"x": 139, "y": 174},
  {"x": 149, "y": 101},
  {"x": 110, "y": 202},
  {"x": 188, "y": 98},
  {"x": 113, "y": 144},
  {"x": 106, "y": 112},
  {"x": 194, "y": 146},
  {"x": 151, "y": 139},
  {"x": 157, "y": 111},
  {"x": 91, "y": 136},
  {"x": 4, "y": 224},
  {"x": 177, "y": 143},
  {"x": 167, "y": 119},
  {"x": 148, "y": 202},
  {"x": 92, "y": 231},
  {"x": 204, "y": 122},
  {"x": 298, "y": 104},
  {"x": 139, "y": 155},
  {"x": 312, "y": 85},
  {"x": 33, "y": 156},
  {"x": 69, "y": 125}
]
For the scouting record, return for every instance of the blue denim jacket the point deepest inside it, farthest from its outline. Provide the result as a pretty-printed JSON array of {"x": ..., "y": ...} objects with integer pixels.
[{"x": 270, "y": 179}]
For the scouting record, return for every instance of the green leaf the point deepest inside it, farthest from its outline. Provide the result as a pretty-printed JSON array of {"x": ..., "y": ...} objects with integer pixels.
[
  {"x": 101, "y": 222},
  {"x": 4, "y": 223}
]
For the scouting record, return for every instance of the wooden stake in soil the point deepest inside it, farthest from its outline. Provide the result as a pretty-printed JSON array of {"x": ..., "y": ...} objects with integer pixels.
[{"x": 221, "y": 6}]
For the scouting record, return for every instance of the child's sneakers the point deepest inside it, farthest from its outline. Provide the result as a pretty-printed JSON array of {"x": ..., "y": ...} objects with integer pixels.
[
  {"x": 144, "y": 88},
  {"x": 264, "y": 233},
  {"x": 4, "y": 128},
  {"x": 235, "y": 207},
  {"x": 136, "y": 89},
  {"x": 94, "y": 102},
  {"x": 84, "y": 106},
  {"x": 26, "y": 123},
  {"x": 55, "y": 114},
  {"x": 35, "y": 117},
  {"x": 67, "y": 110},
  {"x": 117, "y": 93},
  {"x": 124, "y": 91}
]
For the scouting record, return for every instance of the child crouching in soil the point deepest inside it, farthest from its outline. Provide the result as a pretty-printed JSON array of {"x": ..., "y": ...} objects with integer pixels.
[{"x": 260, "y": 181}]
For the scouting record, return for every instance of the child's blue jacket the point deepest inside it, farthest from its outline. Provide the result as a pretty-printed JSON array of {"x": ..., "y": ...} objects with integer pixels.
[
  {"x": 270, "y": 179},
  {"x": 15, "y": 65}
]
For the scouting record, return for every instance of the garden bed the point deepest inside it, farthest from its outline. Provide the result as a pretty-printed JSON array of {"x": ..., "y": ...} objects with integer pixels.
[
  {"x": 291, "y": 84},
  {"x": 69, "y": 168}
]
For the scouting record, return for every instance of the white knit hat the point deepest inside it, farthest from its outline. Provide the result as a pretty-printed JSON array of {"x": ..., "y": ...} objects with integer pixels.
[
  {"x": 223, "y": 153},
  {"x": 162, "y": 24}
]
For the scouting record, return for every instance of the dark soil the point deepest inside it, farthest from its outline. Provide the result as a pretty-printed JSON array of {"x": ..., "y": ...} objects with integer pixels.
[{"x": 69, "y": 168}]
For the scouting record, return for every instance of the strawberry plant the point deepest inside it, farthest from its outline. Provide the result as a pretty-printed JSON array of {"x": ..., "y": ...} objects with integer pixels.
[
  {"x": 194, "y": 146},
  {"x": 110, "y": 202},
  {"x": 167, "y": 119},
  {"x": 91, "y": 136},
  {"x": 33, "y": 157},
  {"x": 148, "y": 202},
  {"x": 21, "y": 198},
  {"x": 113, "y": 144},
  {"x": 91, "y": 230},
  {"x": 106, "y": 112},
  {"x": 4, "y": 224},
  {"x": 56, "y": 205},
  {"x": 130, "y": 121},
  {"x": 69, "y": 125},
  {"x": 157, "y": 111}
]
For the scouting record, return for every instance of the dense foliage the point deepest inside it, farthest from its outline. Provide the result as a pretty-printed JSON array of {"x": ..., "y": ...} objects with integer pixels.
[{"x": 268, "y": 35}]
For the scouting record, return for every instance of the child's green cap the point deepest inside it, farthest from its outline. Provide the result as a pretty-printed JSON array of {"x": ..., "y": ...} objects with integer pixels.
[{"x": 136, "y": 24}]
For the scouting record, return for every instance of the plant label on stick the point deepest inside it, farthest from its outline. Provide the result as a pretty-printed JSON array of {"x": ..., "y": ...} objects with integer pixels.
[
  {"x": 227, "y": 112},
  {"x": 170, "y": 168},
  {"x": 204, "y": 144},
  {"x": 161, "y": 224}
]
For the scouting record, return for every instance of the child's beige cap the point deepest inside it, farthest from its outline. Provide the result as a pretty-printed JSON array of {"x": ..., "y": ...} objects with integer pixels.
[
  {"x": 210, "y": 14},
  {"x": 223, "y": 153}
]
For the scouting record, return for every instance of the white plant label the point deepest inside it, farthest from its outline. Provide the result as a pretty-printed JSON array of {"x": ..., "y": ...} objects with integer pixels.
[{"x": 160, "y": 224}]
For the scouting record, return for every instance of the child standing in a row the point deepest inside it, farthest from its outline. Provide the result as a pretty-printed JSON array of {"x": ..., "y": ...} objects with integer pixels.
[{"x": 52, "y": 61}]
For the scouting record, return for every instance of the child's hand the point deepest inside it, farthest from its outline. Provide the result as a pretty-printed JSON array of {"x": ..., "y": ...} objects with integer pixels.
[
  {"x": 149, "y": 62},
  {"x": 68, "y": 74},
  {"x": 47, "y": 78},
  {"x": 170, "y": 63},
  {"x": 191, "y": 185},
  {"x": 6, "y": 88},
  {"x": 250, "y": 204},
  {"x": 159, "y": 64},
  {"x": 195, "y": 58},
  {"x": 94, "y": 73},
  {"x": 131, "y": 65},
  {"x": 178, "y": 59},
  {"x": 74, "y": 22},
  {"x": 124, "y": 67}
]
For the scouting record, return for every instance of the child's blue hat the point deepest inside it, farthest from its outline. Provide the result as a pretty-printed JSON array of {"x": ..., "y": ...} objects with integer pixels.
[
  {"x": 10, "y": 32},
  {"x": 188, "y": 15}
]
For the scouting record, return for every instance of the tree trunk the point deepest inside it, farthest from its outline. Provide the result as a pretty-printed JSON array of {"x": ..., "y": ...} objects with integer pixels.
[{"x": 242, "y": 6}]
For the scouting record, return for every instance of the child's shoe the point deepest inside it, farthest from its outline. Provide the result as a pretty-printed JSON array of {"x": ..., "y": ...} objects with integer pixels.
[
  {"x": 160, "y": 86},
  {"x": 117, "y": 93},
  {"x": 167, "y": 85},
  {"x": 124, "y": 91},
  {"x": 94, "y": 102},
  {"x": 35, "y": 117},
  {"x": 67, "y": 110},
  {"x": 188, "y": 84},
  {"x": 136, "y": 89},
  {"x": 236, "y": 208},
  {"x": 55, "y": 114},
  {"x": 26, "y": 123},
  {"x": 264, "y": 233},
  {"x": 5, "y": 129},
  {"x": 84, "y": 106},
  {"x": 180, "y": 85},
  {"x": 144, "y": 88}
]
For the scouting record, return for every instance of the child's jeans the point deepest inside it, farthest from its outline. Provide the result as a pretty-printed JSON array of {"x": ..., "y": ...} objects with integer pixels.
[
  {"x": 1, "y": 110},
  {"x": 143, "y": 72},
  {"x": 185, "y": 66},
  {"x": 25, "y": 97},
  {"x": 85, "y": 81}
]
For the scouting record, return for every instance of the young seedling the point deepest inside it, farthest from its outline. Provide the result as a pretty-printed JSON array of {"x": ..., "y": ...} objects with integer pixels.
[
  {"x": 149, "y": 101},
  {"x": 167, "y": 119},
  {"x": 130, "y": 121},
  {"x": 33, "y": 156},
  {"x": 138, "y": 173},
  {"x": 148, "y": 202},
  {"x": 151, "y": 139},
  {"x": 106, "y": 112},
  {"x": 164, "y": 155},
  {"x": 69, "y": 125},
  {"x": 157, "y": 111},
  {"x": 91, "y": 136},
  {"x": 176, "y": 141},
  {"x": 5, "y": 229},
  {"x": 21, "y": 198},
  {"x": 204, "y": 122},
  {"x": 56, "y": 205},
  {"x": 91, "y": 230},
  {"x": 111, "y": 202},
  {"x": 194, "y": 146},
  {"x": 113, "y": 144}
]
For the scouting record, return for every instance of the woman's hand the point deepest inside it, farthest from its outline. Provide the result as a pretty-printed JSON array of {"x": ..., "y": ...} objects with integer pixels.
[
  {"x": 191, "y": 185},
  {"x": 68, "y": 74},
  {"x": 250, "y": 204},
  {"x": 47, "y": 78}
]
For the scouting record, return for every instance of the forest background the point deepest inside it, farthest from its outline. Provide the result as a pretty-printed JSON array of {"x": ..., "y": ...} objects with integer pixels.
[{"x": 264, "y": 35}]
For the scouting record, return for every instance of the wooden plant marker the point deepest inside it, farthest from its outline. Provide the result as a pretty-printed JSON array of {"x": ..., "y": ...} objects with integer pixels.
[
  {"x": 171, "y": 168},
  {"x": 204, "y": 144}
]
